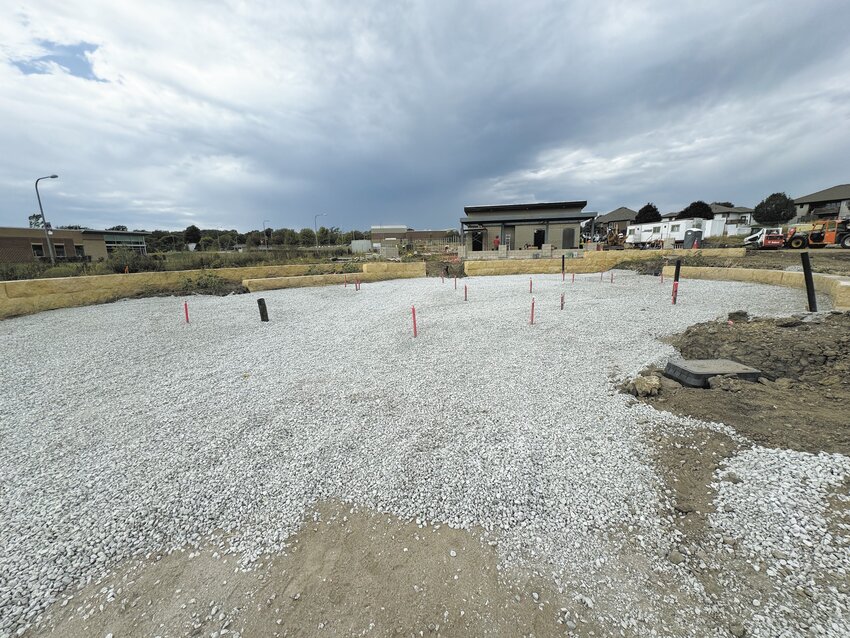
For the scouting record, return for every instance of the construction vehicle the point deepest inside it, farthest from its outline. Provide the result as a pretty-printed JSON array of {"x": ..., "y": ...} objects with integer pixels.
[
  {"x": 766, "y": 238},
  {"x": 828, "y": 232}
]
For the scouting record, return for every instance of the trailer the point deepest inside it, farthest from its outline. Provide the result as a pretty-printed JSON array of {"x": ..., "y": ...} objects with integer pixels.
[{"x": 670, "y": 232}]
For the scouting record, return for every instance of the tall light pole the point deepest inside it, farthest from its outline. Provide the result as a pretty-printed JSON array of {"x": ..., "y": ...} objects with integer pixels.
[
  {"x": 316, "y": 230},
  {"x": 265, "y": 237},
  {"x": 43, "y": 220}
]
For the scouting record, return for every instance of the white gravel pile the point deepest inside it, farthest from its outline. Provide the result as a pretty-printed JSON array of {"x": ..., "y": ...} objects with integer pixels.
[
  {"x": 125, "y": 430},
  {"x": 774, "y": 504}
]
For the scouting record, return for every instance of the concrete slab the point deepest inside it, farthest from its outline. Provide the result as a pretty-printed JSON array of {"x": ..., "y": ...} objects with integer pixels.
[{"x": 696, "y": 372}]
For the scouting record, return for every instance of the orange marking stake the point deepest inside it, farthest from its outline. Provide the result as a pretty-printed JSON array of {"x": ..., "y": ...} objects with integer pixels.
[
  {"x": 413, "y": 309},
  {"x": 186, "y": 310}
]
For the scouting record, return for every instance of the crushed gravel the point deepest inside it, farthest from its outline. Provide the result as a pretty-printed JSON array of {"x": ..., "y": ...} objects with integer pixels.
[{"x": 126, "y": 431}]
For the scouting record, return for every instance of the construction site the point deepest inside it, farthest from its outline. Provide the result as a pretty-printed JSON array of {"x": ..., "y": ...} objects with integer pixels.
[{"x": 399, "y": 455}]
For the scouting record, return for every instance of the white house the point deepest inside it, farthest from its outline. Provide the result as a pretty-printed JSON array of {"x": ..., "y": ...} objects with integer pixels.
[{"x": 738, "y": 219}]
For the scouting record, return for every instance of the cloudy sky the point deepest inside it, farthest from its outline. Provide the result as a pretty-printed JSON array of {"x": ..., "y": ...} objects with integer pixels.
[{"x": 225, "y": 114}]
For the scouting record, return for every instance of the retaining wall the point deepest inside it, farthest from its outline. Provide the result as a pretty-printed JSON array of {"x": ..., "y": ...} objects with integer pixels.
[
  {"x": 838, "y": 288},
  {"x": 371, "y": 272},
  {"x": 27, "y": 296},
  {"x": 596, "y": 261}
]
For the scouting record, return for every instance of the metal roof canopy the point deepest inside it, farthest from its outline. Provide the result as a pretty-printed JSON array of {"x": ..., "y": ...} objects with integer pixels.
[
  {"x": 540, "y": 217},
  {"x": 501, "y": 208}
]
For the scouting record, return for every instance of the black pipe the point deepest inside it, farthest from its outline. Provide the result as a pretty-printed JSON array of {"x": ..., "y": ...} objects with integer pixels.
[
  {"x": 810, "y": 284},
  {"x": 563, "y": 263},
  {"x": 676, "y": 280},
  {"x": 264, "y": 313}
]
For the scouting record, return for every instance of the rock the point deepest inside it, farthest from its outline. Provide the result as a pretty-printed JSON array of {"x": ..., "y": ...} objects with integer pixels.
[
  {"x": 669, "y": 384},
  {"x": 791, "y": 322},
  {"x": 779, "y": 555},
  {"x": 738, "y": 315},
  {"x": 765, "y": 381},
  {"x": 535, "y": 596},
  {"x": 675, "y": 557},
  {"x": 733, "y": 478},
  {"x": 452, "y": 553},
  {"x": 646, "y": 386},
  {"x": 684, "y": 507},
  {"x": 737, "y": 630}
]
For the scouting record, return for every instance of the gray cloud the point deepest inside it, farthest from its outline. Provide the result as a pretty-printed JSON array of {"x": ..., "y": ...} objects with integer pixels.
[{"x": 406, "y": 112}]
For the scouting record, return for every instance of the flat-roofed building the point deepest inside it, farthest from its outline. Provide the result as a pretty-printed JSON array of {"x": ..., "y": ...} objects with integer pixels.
[
  {"x": 21, "y": 245},
  {"x": 524, "y": 226}
]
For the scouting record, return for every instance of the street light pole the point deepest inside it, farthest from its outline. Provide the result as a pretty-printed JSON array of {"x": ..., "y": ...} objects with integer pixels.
[
  {"x": 315, "y": 229},
  {"x": 43, "y": 220},
  {"x": 265, "y": 237}
]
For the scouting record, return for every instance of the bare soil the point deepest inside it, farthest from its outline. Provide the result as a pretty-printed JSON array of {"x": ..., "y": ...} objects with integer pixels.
[
  {"x": 803, "y": 400},
  {"x": 346, "y": 573}
]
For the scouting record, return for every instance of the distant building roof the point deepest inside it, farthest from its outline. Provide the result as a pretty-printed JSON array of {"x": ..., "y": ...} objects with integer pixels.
[
  {"x": 621, "y": 214},
  {"x": 717, "y": 208},
  {"x": 836, "y": 193},
  {"x": 672, "y": 213},
  {"x": 515, "y": 217},
  {"x": 399, "y": 228},
  {"x": 504, "y": 208},
  {"x": 114, "y": 232}
]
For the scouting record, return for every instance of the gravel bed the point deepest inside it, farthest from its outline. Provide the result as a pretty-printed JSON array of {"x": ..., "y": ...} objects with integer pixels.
[{"x": 127, "y": 431}]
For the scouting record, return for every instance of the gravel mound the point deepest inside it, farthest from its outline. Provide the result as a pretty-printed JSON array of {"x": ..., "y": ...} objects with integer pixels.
[{"x": 126, "y": 431}]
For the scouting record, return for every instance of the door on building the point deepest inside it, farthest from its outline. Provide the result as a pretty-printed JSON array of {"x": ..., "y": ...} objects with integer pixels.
[
  {"x": 569, "y": 238},
  {"x": 539, "y": 238},
  {"x": 477, "y": 240},
  {"x": 508, "y": 239}
]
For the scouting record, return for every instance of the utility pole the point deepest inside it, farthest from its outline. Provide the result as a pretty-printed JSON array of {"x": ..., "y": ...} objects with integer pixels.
[{"x": 43, "y": 220}]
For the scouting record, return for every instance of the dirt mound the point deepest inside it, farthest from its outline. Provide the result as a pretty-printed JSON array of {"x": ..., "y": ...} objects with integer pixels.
[
  {"x": 816, "y": 349},
  {"x": 801, "y": 402}
]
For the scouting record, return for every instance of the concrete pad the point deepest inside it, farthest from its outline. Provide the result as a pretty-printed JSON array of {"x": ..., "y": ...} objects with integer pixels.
[{"x": 696, "y": 372}]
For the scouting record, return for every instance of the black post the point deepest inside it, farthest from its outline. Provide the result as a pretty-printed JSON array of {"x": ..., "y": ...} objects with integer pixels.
[
  {"x": 264, "y": 313},
  {"x": 563, "y": 263},
  {"x": 676, "y": 280},
  {"x": 810, "y": 284}
]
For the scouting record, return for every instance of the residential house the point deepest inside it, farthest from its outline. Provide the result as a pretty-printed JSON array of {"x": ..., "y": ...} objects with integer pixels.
[{"x": 831, "y": 203}]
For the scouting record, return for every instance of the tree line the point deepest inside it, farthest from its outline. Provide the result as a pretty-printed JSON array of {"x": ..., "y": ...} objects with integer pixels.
[
  {"x": 777, "y": 208},
  {"x": 216, "y": 239}
]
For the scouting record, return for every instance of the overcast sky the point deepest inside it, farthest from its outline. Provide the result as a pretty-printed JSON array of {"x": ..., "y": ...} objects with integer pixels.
[{"x": 225, "y": 114}]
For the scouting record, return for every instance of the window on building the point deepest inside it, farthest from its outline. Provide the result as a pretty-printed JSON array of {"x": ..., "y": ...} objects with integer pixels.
[
  {"x": 38, "y": 250},
  {"x": 675, "y": 228},
  {"x": 631, "y": 231},
  {"x": 59, "y": 251},
  {"x": 697, "y": 224},
  {"x": 656, "y": 229},
  {"x": 129, "y": 242},
  {"x": 79, "y": 251}
]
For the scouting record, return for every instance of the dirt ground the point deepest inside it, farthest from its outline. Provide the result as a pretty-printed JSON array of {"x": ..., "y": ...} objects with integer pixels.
[
  {"x": 347, "y": 573},
  {"x": 802, "y": 403}
]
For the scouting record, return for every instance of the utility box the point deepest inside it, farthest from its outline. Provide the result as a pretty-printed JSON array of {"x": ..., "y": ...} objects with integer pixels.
[{"x": 695, "y": 373}]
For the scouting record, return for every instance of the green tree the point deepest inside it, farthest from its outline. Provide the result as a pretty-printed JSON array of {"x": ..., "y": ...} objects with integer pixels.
[
  {"x": 192, "y": 234},
  {"x": 227, "y": 240},
  {"x": 697, "y": 209},
  {"x": 206, "y": 242},
  {"x": 307, "y": 237},
  {"x": 36, "y": 221},
  {"x": 119, "y": 227},
  {"x": 649, "y": 213},
  {"x": 774, "y": 209},
  {"x": 324, "y": 236}
]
